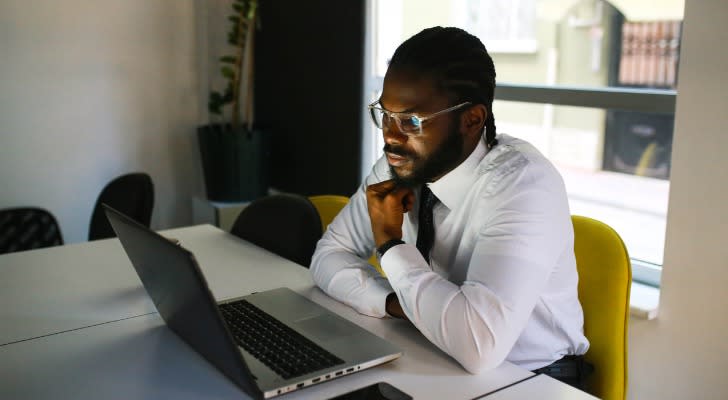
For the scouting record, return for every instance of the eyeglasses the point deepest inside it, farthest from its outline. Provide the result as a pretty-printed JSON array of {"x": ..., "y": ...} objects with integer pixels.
[{"x": 407, "y": 123}]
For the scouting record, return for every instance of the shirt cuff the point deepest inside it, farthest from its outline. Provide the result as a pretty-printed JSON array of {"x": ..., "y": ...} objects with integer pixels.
[{"x": 400, "y": 261}]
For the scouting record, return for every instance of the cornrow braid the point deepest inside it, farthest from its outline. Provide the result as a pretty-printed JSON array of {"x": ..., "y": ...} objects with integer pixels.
[{"x": 459, "y": 64}]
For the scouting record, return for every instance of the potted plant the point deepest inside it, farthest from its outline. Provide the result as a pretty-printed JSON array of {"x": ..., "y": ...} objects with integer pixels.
[{"x": 234, "y": 153}]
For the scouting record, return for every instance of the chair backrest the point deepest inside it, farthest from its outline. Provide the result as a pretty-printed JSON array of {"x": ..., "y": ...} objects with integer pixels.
[
  {"x": 285, "y": 224},
  {"x": 27, "y": 228},
  {"x": 605, "y": 277},
  {"x": 131, "y": 194},
  {"x": 328, "y": 206}
]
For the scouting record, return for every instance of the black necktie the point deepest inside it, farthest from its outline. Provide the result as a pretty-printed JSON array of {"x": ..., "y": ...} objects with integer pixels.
[{"x": 426, "y": 228}]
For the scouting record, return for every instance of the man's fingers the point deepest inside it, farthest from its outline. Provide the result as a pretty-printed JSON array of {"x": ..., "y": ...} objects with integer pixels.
[
  {"x": 397, "y": 198},
  {"x": 408, "y": 200},
  {"x": 382, "y": 188},
  {"x": 386, "y": 205},
  {"x": 390, "y": 192},
  {"x": 402, "y": 196}
]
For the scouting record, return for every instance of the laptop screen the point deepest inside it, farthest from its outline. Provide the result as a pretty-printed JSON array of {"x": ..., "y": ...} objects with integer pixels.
[{"x": 178, "y": 289}]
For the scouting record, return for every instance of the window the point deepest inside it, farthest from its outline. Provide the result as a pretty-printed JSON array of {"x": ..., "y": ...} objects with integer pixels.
[
  {"x": 513, "y": 32},
  {"x": 593, "y": 91}
]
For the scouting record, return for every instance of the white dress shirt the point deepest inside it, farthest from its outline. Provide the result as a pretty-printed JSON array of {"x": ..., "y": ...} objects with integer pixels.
[{"x": 502, "y": 280}]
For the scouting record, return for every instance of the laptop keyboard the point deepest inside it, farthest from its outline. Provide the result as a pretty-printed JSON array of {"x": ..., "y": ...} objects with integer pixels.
[{"x": 282, "y": 349}]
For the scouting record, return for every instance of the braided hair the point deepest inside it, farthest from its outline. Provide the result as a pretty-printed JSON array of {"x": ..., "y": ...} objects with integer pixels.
[{"x": 459, "y": 64}]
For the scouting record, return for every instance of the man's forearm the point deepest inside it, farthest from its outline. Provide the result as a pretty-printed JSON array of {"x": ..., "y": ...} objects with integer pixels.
[{"x": 351, "y": 280}]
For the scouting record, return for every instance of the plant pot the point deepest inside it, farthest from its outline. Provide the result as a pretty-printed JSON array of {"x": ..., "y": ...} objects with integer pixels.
[{"x": 234, "y": 162}]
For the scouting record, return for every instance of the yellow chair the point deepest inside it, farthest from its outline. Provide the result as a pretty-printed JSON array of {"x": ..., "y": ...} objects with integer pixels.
[
  {"x": 605, "y": 277},
  {"x": 328, "y": 206}
]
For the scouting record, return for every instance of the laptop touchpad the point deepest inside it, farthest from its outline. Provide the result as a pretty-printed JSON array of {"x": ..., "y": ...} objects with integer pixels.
[{"x": 325, "y": 327}]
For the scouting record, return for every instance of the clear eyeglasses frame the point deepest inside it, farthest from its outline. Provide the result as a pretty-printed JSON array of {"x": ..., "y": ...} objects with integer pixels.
[{"x": 408, "y": 123}]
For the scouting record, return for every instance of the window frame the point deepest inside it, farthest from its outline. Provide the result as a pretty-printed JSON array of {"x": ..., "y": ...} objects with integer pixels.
[{"x": 608, "y": 97}]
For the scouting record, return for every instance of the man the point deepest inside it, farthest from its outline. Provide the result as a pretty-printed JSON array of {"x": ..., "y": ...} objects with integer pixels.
[{"x": 488, "y": 272}]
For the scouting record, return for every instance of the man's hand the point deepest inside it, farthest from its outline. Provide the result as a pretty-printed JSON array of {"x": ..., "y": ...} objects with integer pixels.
[
  {"x": 387, "y": 204},
  {"x": 393, "y": 308}
]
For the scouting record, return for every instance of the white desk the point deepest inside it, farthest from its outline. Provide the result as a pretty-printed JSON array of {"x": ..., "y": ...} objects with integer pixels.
[
  {"x": 68, "y": 287},
  {"x": 140, "y": 358},
  {"x": 57, "y": 289},
  {"x": 539, "y": 387},
  {"x": 104, "y": 340}
]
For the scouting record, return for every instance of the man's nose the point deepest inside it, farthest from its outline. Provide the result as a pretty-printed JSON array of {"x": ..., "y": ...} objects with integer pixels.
[{"x": 392, "y": 134}]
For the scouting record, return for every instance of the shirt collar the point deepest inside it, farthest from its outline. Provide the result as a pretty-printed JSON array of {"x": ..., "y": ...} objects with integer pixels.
[{"x": 450, "y": 187}]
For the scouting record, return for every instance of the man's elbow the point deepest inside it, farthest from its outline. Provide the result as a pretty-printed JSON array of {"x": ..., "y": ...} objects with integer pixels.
[
  {"x": 315, "y": 271},
  {"x": 476, "y": 363}
]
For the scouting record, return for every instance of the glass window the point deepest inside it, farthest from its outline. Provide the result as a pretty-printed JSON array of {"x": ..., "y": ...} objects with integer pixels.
[
  {"x": 513, "y": 32},
  {"x": 615, "y": 158}
]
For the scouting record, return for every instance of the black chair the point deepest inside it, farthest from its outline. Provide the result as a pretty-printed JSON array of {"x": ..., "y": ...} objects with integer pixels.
[
  {"x": 285, "y": 224},
  {"x": 132, "y": 194},
  {"x": 27, "y": 228}
]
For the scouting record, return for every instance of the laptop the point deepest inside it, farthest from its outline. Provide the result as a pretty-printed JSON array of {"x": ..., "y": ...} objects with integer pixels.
[{"x": 268, "y": 343}]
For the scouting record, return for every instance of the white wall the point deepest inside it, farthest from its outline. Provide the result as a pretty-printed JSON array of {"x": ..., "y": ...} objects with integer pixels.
[
  {"x": 93, "y": 89},
  {"x": 684, "y": 353}
]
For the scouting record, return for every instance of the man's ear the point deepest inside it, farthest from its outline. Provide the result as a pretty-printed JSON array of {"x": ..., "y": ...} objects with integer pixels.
[{"x": 472, "y": 120}]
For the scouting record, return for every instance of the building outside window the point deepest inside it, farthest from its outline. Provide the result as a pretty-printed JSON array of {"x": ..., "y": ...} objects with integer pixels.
[{"x": 591, "y": 83}]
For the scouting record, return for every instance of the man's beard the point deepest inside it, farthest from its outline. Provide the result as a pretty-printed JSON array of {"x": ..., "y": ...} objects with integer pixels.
[{"x": 438, "y": 163}]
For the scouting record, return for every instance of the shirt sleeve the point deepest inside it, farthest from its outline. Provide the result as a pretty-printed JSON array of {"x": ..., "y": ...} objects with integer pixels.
[
  {"x": 339, "y": 265},
  {"x": 516, "y": 250}
]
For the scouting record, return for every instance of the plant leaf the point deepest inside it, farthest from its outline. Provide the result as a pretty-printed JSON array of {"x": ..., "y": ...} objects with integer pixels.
[
  {"x": 228, "y": 96},
  {"x": 234, "y": 31},
  {"x": 228, "y": 59},
  {"x": 232, "y": 39},
  {"x": 215, "y": 103},
  {"x": 227, "y": 72}
]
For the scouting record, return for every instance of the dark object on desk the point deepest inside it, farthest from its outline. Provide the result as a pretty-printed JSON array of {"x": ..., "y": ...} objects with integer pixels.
[
  {"x": 132, "y": 194},
  {"x": 377, "y": 391},
  {"x": 27, "y": 228},
  {"x": 572, "y": 370},
  {"x": 285, "y": 224},
  {"x": 264, "y": 326}
]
